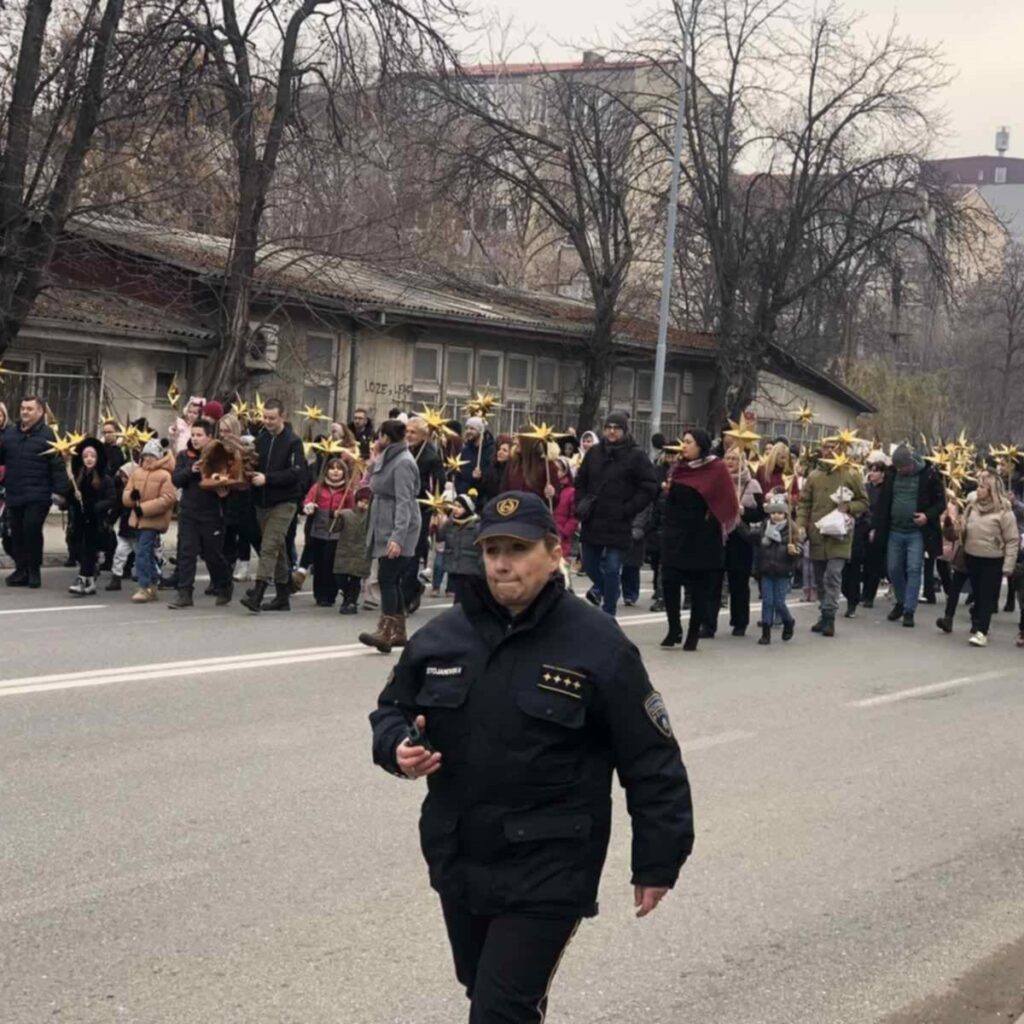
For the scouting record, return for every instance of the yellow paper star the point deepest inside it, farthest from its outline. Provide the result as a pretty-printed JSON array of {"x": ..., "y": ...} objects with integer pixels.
[
  {"x": 436, "y": 502},
  {"x": 258, "y": 405},
  {"x": 805, "y": 416},
  {"x": 838, "y": 462},
  {"x": 76, "y": 438},
  {"x": 741, "y": 435},
  {"x": 542, "y": 433},
  {"x": 843, "y": 439},
  {"x": 315, "y": 413},
  {"x": 455, "y": 464},
  {"x": 174, "y": 394},
  {"x": 482, "y": 405},
  {"x": 436, "y": 421},
  {"x": 676, "y": 448},
  {"x": 329, "y": 446},
  {"x": 62, "y": 446}
]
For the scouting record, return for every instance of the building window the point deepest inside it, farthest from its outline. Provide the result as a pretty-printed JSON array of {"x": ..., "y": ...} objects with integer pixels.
[
  {"x": 488, "y": 370},
  {"x": 459, "y": 369},
  {"x": 1000, "y": 176},
  {"x": 547, "y": 376},
  {"x": 670, "y": 396},
  {"x": 15, "y": 382},
  {"x": 572, "y": 381},
  {"x": 426, "y": 364},
  {"x": 320, "y": 355},
  {"x": 518, "y": 378},
  {"x": 164, "y": 380},
  {"x": 65, "y": 392},
  {"x": 687, "y": 382},
  {"x": 622, "y": 387},
  {"x": 320, "y": 381}
]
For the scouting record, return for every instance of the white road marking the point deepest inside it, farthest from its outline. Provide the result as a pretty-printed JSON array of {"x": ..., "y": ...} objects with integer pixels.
[
  {"x": 923, "y": 691},
  {"x": 715, "y": 740},
  {"x": 173, "y": 670},
  {"x": 55, "y": 608}
]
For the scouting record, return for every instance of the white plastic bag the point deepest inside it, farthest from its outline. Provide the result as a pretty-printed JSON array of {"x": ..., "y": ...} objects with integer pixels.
[{"x": 834, "y": 524}]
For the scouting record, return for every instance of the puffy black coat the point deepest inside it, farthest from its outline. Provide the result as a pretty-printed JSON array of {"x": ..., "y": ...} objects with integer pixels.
[
  {"x": 31, "y": 477},
  {"x": 623, "y": 481},
  {"x": 691, "y": 537},
  {"x": 195, "y": 502},
  {"x": 464, "y": 479},
  {"x": 531, "y": 723},
  {"x": 773, "y": 559},
  {"x": 282, "y": 460},
  {"x": 91, "y": 513}
]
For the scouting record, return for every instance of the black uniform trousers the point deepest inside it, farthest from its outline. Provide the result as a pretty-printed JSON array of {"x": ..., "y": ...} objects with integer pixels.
[
  {"x": 202, "y": 537},
  {"x": 27, "y": 533},
  {"x": 506, "y": 962}
]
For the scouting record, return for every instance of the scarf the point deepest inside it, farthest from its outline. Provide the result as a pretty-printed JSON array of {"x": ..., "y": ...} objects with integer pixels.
[{"x": 710, "y": 478}]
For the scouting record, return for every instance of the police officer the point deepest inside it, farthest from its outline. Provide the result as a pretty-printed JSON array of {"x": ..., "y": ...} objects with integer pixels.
[{"x": 517, "y": 705}]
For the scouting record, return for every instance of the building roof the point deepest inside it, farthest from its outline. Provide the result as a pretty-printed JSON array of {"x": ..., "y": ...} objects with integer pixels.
[
  {"x": 795, "y": 369},
  {"x": 104, "y": 309},
  {"x": 1007, "y": 203},
  {"x": 549, "y": 68},
  {"x": 359, "y": 288},
  {"x": 976, "y": 170}
]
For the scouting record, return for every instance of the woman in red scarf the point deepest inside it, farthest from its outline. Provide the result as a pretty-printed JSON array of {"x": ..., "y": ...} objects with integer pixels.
[{"x": 701, "y": 509}]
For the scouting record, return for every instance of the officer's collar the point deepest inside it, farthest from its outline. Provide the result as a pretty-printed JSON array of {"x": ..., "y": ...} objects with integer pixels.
[{"x": 479, "y": 604}]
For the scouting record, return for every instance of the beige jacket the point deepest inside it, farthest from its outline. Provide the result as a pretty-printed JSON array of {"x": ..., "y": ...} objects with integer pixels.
[
  {"x": 157, "y": 496},
  {"x": 990, "y": 534}
]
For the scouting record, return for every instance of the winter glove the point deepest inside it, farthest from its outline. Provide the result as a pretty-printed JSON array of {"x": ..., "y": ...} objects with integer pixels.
[{"x": 136, "y": 495}]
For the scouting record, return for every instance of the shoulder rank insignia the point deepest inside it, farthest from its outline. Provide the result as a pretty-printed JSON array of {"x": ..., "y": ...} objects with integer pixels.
[
  {"x": 654, "y": 705},
  {"x": 562, "y": 680}
]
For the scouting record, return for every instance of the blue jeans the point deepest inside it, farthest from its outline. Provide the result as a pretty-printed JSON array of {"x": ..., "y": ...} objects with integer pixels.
[
  {"x": 437, "y": 577},
  {"x": 146, "y": 571},
  {"x": 774, "y": 591},
  {"x": 604, "y": 567},
  {"x": 631, "y": 583},
  {"x": 905, "y": 555}
]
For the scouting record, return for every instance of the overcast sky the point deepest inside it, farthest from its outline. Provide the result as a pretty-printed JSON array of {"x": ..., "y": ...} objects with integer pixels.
[{"x": 982, "y": 39}]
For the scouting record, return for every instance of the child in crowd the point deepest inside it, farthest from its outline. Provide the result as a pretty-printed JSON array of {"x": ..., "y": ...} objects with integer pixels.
[
  {"x": 92, "y": 497},
  {"x": 151, "y": 497},
  {"x": 352, "y": 562},
  {"x": 324, "y": 503},
  {"x": 774, "y": 555},
  {"x": 565, "y": 509},
  {"x": 126, "y": 535},
  {"x": 458, "y": 532}
]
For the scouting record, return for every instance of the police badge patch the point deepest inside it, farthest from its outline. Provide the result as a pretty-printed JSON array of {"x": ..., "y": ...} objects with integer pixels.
[{"x": 654, "y": 705}]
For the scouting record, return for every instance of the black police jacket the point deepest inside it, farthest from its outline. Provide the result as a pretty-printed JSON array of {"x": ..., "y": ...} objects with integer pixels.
[{"x": 531, "y": 716}]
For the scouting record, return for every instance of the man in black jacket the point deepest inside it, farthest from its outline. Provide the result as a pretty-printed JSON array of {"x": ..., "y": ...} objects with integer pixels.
[
  {"x": 200, "y": 523},
  {"x": 32, "y": 479},
  {"x": 615, "y": 483},
  {"x": 362, "y": 428},
  {"x": 277, "y": 490},
  {"x": 907, "y": 525},
  {"x": 521, "y": 723},
  {"x": 431, "y": 468}
]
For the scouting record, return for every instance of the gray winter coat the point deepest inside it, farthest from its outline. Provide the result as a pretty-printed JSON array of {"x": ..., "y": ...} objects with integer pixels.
[
  {"x": 461, "y": 552},
  {"x": 394, "y": 511}
]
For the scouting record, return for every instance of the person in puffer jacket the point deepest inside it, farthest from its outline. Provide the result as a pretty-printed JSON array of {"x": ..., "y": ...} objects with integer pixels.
[
  {"x": 150, "y": 495},
  {"x": 324, "y": 503},
  {"x": 462, "y": 559},
  {"x": 775, "y": 554}
]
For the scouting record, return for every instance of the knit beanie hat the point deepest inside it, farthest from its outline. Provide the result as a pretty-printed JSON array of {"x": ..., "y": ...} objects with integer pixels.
[
  {"x": 213, "y": 410},
  {"x": 467, "y": 503},
  {"x": 616, "y": 419},
  {"x": 776, "y": 502},
  {"x": 363, "y": 492},
  {"x": 475, "y": 423},
  {"x": 154, "y": 448},
  {"x": 903, "y": 456},
  {"x": 877, "y": 458}
]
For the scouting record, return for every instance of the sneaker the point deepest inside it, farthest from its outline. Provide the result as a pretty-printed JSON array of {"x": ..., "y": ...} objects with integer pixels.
[
  {"x": 979, "y": 639},
  {"x": 908, "y": 620},
  {"x": 896, "y": 614},
  {"x": 628, "y": 602},
  {"x": 867, "y": 604},
  {"x": 946, "y": 625},
  {"x": 435, "y": 593},
  {"x": 657, "y": 605}
]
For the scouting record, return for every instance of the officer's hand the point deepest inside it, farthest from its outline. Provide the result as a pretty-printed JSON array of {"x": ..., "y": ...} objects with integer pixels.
[
  {"x": 646, "y": 898},
  {"x": 414, "y": 762}
]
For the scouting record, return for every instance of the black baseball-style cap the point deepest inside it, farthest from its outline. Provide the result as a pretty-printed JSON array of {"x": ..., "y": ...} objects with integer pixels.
[{"x": 517, "y": 514}]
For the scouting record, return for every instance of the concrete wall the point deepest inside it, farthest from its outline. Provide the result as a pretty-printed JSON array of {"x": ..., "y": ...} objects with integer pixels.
[{"x": 778, "y": 402}]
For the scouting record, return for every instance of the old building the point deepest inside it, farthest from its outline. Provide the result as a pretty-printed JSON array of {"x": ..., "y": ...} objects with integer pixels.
[{"x": 133, "y": 306}]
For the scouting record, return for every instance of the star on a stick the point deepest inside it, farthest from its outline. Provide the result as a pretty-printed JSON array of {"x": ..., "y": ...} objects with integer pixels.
[
  {"x": 540, "y": 432},
  {"x": 436, "y": 502}
]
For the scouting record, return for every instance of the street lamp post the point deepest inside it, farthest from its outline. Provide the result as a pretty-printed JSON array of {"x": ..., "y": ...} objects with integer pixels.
[{"x": 670, "y": 248}]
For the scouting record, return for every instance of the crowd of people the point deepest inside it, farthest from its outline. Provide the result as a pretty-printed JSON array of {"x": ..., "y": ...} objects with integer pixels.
[{"x": 382, "y": 517}]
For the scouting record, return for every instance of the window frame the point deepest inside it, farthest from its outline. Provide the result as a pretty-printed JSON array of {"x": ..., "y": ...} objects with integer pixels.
[
  {"x": 538, "y": 363},
  {"x": 461, "y": 389},
  {"x": 509, "y": 387},
  {"x": 438, "y": 351},
  {"x": 478, "y": 382}
]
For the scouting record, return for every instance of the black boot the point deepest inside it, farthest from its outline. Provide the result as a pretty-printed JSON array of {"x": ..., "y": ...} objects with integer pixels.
[
  {"x": 182, "y": 600},
  {"x": 210, "y": 591},
  {"x": 739, "y": 630},
  {"x": 18, "y": 578},
  {"x": 945, "y": 624},
  {"x": 896, "y": 614},
  {"x": 673, "y": 637},
  {"x": 224, "y": 595},
  {"x": 828, "y": 627},
  {"x": 851, "y": 610},
  {"x": 35, "y": 581},
  {"x": 766, "y": 636},
  {"x": 280, "y": 603},
  {"x": 819, "y": 626},
  {"x": 253, "y": 599},
  {"x": 114, "y": 584},
  {"x": 787, "y": 629}
]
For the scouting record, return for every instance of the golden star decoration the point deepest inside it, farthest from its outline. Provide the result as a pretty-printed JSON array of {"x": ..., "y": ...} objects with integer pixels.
[
  {"x": 739, "y": 433},
  {"x": 258, "y": 408},
  {"x": 314, "y": 413},
  {"x": 843, "y": 439},
  {"x": 482, "y": 405},
  {"x": 63, "y": 446},
  {"x": 436, "y": 502},
  {"x": 805, "y": 416},
  {"x": 676, "y": 448},
  {"x": 436, "y": 421},
  {"x": 174, "y": 394},
  {"x": 455, "y": 464},
  {"x": 840, "y": 461},
  {"x": 540, "y": 432}
]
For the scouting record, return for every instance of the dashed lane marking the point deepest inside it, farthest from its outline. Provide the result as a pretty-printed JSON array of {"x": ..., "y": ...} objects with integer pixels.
[
  {"x": 54, "y": 608},
  {"x": 924, "y": 691}
]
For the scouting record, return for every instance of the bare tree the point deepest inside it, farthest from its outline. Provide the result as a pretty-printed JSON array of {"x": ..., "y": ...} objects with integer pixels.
[{"x": 806, "y": 158}]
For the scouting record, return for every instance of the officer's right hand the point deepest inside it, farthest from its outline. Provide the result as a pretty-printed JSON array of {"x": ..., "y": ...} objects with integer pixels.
[{"x": 414, "y": 762}]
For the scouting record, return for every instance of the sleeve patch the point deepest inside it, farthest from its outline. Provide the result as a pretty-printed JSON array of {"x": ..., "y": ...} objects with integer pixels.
[{"x": 654, "y": 705}]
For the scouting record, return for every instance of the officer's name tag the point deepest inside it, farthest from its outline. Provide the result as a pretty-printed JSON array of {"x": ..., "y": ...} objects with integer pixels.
[{"x": 445, "y": 671}]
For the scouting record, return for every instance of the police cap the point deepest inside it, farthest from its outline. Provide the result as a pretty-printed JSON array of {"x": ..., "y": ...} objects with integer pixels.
[{"x": 517, "y": 514}]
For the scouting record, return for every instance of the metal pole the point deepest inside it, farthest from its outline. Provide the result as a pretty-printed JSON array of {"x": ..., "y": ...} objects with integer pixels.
[{"x": 670, "y": 249}]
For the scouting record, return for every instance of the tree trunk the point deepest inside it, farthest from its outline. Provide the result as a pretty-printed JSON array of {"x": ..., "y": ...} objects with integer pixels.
[{"x": 597, "y": 362}]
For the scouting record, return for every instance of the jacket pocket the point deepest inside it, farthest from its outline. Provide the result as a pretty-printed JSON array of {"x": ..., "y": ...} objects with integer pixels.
[
  {"x": 528, "y": 828},
  {"x": 444, "y": 691},
  {"x": 559, "y": 709}
]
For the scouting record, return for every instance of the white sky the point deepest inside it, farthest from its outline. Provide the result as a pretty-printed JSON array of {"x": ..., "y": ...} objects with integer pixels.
[{"x": 983, "y": 40}]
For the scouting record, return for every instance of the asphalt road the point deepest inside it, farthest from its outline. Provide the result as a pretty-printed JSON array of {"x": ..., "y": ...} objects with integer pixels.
[{"x": 191, "y": 829}]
